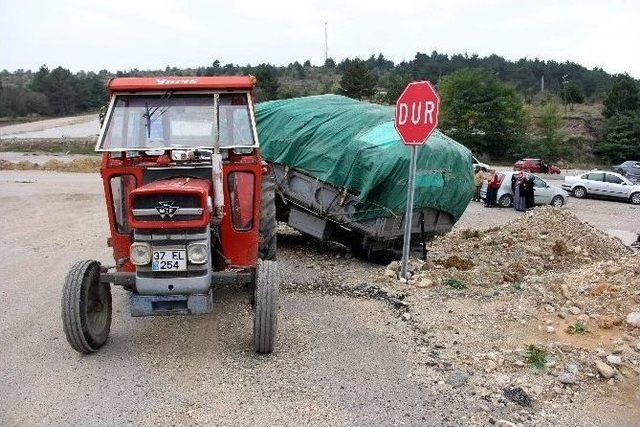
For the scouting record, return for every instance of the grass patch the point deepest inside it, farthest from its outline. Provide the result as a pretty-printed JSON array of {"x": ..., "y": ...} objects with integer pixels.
[
  {"x": 536, "y": 357},
  {"x": 75, "y": 165},
  {"x": 578, "y": 328},
  {"x": 455, "y": 283},
  {"x": 518, "y": 287},
  {"x": 50, "y": 145}
]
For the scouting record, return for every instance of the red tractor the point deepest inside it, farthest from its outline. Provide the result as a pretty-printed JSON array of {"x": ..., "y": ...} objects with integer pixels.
[{"x": 191, "y": 206}]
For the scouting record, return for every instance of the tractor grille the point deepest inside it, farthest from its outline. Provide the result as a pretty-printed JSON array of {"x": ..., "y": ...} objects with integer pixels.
[{"x": 167, "y": 207}]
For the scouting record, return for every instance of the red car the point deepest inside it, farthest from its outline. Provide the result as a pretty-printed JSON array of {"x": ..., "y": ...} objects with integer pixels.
[{"x": 535, "y": 166}]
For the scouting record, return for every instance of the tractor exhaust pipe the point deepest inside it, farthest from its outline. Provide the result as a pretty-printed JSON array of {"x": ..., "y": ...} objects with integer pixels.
[
  {"x": 216, "y": 172},
  {"x": 216, "y": 178}
]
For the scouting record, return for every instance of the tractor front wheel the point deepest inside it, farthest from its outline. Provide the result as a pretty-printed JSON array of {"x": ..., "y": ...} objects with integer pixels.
[
  {"x": 265, "y": 309},
  {"x": 86, "y": 307}
]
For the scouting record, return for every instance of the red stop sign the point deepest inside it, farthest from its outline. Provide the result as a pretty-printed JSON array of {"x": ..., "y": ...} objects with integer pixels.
[{"x": 417, "y": 112}]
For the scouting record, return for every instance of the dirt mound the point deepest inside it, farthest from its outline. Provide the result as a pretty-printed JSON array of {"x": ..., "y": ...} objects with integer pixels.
[
  {"x": 543, "y": 240},
  {"x": 544, "y": 306},
  {"x": 606, "y": 290}
]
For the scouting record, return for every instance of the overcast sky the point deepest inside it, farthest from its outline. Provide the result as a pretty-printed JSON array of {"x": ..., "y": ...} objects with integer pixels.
[{"x": 125, "y": 34}]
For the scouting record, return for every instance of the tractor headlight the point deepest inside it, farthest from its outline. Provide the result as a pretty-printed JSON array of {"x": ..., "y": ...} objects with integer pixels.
[
  {"x": 197, "y": 252},
  {"x": 140, "y": 253}
]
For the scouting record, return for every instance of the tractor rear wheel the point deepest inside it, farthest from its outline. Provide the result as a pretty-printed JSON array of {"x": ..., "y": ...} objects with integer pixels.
[
  {"x": 86, "y": 307},
  {"x": 265, "y": 309},
  {"x": 268, "y": 223}
]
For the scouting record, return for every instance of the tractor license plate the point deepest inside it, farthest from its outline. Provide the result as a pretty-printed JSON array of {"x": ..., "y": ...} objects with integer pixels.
[{"x": 169, "y": 260}]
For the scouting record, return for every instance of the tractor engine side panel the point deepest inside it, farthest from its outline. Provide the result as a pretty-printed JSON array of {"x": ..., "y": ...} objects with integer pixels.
[
  {"x": 239, "y": 229},
  {"x": 120, "y": 236}
]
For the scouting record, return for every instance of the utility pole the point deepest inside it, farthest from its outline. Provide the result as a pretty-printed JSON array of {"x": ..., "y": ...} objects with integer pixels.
[
  {"x": 326, "y": 43},
  {"x": 542, "y": 84}
]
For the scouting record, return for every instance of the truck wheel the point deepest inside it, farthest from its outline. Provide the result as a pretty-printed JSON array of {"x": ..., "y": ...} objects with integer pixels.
[
  {"x": 265, "y": 310},
  {"x": 86, "y": 307},
  {"x": 268, "y": 232}
]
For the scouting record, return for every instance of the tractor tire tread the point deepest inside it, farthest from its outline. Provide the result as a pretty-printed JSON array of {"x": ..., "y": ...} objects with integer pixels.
[
  {"x": 72, "y": 317},
  {"x": 266, "y": 307},
  {"x": 70, "y": 314},
  {"x": 268, "y": 224}
]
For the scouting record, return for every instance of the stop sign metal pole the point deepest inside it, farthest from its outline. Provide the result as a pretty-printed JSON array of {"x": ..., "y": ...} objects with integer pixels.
[
  {"x": 411, "y": 185},
  {"x": 415, "y": 119}
]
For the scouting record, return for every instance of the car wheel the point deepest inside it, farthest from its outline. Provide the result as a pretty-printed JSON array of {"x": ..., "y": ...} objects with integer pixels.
[
  {"x": 557, "y": 201},
  {"x": 635, "y": 198},
  {"x": 580, "y": 192},
  {"x": 505, "y": 200}
]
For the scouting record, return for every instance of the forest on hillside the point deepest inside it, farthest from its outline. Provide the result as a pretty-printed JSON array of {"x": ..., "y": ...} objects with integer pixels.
[{"x": 499, "y": 108}]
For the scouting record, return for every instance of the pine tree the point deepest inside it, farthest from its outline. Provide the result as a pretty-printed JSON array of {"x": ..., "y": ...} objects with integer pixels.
[
  {"x": 358, "y": 81},
  {"x": 624, "y": 96}
]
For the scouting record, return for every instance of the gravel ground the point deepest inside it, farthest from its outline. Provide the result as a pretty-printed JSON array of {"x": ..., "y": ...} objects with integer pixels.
[{"x": 347, "y": 354}]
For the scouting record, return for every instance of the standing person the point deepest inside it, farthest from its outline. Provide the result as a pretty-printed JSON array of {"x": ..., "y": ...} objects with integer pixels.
[
  {"x": 544, "y": 167},
  {"x": 492, "y": 189},
  {"x": 515, "y": 190},
  {"x": 487, "y": 200},
  {"x": 514, "y": 184},
  {"x": 478, "y": 179},
  {"x": 529, "y": 193},
  {"x": 520, "y": 199}
]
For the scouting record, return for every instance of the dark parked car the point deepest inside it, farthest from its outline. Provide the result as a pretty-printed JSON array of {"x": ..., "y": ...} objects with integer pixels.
[
  {"x": 629, "y": 169},
  {"x": 535, "y": 166}
]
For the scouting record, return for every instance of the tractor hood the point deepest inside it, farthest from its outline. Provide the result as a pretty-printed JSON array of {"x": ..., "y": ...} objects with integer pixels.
[{"x": 171, "y": 203}]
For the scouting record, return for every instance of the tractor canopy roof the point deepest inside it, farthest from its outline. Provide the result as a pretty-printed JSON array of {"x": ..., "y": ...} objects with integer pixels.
[{"x": 163, "y": 83}]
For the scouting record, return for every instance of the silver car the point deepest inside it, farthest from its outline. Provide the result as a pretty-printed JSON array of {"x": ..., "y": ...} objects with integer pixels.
[
  {"x": 544, "y": 193},
  {"x": 602, "y": 184}
]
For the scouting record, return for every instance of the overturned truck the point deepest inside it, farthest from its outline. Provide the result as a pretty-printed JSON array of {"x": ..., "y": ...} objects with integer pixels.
[{"x": 341, "y": 173}]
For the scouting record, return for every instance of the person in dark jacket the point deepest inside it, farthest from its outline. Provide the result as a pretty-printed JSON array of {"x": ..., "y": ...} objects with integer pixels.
[{"x": 529, "y": 193}]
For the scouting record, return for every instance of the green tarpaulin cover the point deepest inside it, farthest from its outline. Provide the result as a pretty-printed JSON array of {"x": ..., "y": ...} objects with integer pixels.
[{"x": 353, "y": 145}]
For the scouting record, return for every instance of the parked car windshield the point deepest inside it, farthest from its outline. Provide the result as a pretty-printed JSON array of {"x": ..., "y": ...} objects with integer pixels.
[{"x": 163, "y": 121}]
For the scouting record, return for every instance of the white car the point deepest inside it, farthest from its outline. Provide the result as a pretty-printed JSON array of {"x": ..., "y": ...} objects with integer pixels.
[
  {"x": 544, "y": 193},
  {"x": 602, "y": 184},
  {"x": 478, "y": 164}
]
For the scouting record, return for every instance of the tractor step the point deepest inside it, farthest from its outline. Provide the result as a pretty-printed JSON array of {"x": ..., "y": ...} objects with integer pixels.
[{"x": 167, "y": 305}]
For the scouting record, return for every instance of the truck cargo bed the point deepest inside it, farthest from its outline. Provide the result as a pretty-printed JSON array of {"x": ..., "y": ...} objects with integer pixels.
[{"x": 325, "y": 212}]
